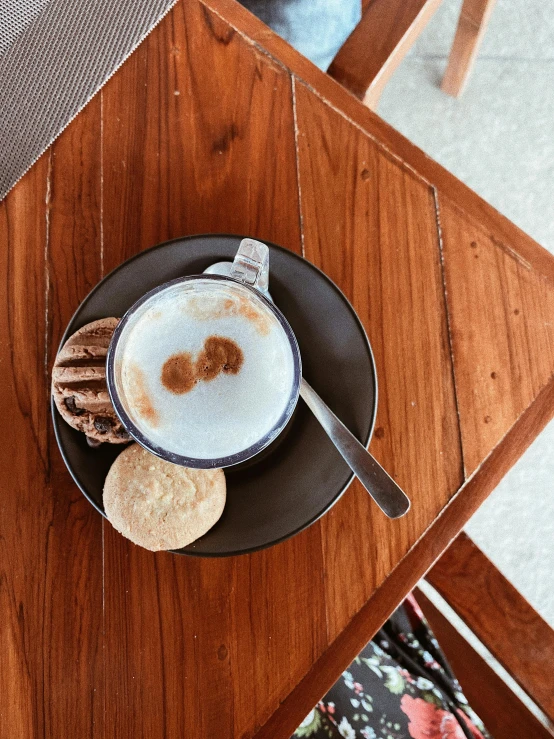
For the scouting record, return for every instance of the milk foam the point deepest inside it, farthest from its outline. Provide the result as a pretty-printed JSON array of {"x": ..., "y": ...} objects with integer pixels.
[{"x": 216, "y": 418}]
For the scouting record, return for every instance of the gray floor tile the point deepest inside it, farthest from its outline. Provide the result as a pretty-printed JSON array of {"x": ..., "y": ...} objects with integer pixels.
[
  {"x": 518, "y": 29},
  {"x": 498, "y": 137},
  {"x": 515, "y": 525}
]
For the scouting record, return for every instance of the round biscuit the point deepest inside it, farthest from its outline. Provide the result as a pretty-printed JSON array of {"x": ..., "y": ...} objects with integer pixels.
[
  {"x": 159, "y": 505},
  {"x": 79, "y": 384}
]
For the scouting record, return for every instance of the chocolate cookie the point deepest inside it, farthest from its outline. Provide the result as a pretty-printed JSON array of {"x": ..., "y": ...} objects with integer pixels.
[
  {"x": 79, "y": 384},
  {"x": 159, "y": 505}
]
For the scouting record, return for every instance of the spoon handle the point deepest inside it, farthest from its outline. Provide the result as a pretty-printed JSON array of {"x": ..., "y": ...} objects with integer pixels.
[{"x": 390, "y": 498}]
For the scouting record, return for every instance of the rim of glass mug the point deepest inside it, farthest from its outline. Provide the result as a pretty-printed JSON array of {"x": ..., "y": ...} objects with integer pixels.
[{"x": 179, "y": 459}]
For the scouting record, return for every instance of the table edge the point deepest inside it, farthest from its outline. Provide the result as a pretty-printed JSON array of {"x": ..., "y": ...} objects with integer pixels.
[
  {"x": 444, "y": 529},
  {"x": 428, "y": 548},
  {"x": 403, "y": 578},
  {"x": 255, "y": 32}
]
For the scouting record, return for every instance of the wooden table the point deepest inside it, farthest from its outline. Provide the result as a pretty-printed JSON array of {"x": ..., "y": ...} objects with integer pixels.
[{"x": 215, "y": 125}]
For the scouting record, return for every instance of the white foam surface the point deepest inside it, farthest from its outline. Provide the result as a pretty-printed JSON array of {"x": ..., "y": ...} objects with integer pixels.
[{"x": 220, "y": 417}]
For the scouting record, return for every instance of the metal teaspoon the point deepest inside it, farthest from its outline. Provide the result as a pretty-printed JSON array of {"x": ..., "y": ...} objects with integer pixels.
[{"x": 390, "y": 498}]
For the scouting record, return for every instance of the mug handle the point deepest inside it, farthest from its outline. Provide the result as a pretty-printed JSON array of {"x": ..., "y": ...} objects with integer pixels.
[{"x": 251, "y": 265}]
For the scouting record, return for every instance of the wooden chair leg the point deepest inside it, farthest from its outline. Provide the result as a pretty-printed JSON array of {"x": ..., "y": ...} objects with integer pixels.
[
  {"x": 499, "y": 616},
  {"x": 472, "y": 25},
  {"x": 502, "y": 712},
  {"x": 378, "y": 44}
]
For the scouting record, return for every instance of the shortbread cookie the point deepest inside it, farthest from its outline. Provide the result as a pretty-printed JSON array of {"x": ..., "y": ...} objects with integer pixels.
[
  {"x": 159, "y": 505},
  {"x": 79, "y": 383}
]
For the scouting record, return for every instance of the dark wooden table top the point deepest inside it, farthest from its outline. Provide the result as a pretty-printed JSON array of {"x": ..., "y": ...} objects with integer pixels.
[{"x": 216, "y": 125}]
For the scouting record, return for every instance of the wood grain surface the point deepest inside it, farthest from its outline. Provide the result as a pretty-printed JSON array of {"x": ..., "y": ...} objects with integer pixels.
[
  {"x": 502, "y": 328},
  {"x": 75, "y": 541},
  {"x": 51, "y": 540},
  {"x": 387, "y": 138},
  {"x": 503, "y": 713},
  {"x": 207, "y": 644},
  {"x": 352, "y": 196},
  {"x": 215, "y": 125},
  {"x": 24, "y": 396},
  {"x": 502, "y": 619}
]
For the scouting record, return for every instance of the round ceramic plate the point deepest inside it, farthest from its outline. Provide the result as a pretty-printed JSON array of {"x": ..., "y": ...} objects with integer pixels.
[{"x": 297, "y": 478}]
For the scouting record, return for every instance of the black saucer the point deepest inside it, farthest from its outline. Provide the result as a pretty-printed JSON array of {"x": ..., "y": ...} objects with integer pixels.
[{"x": 299, "y": 477}]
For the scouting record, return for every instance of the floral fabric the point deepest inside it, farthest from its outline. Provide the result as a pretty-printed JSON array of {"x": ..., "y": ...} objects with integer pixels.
[{"x": 399, "y": 687}]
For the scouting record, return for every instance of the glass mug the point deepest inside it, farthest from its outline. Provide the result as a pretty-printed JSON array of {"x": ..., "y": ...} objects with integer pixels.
[{"x": 204, "y": 371}]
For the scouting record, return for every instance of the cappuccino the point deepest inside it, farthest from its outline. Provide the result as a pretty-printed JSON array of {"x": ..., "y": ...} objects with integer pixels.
[{"x": 204, "y": 369}]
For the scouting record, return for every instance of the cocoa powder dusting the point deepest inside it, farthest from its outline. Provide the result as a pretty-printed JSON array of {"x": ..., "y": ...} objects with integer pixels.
[
  {"x": 219, "y": 354},
  {"x": 251, "y": 313},
  {"x": 140, "y": 398},
  {"x": 207, "y": 311},
  {"x": 178, "y": 374}
]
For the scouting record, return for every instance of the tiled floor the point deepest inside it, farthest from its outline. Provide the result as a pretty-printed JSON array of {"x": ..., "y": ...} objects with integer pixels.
[{"x": 499, "y": 139}]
